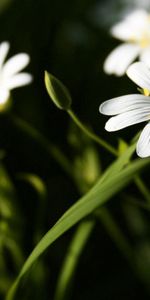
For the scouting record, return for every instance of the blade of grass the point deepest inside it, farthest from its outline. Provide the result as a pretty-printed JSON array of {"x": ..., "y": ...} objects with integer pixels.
[
  {"x": 95, "y": 198},
  {"x": 76, "y": 247}
]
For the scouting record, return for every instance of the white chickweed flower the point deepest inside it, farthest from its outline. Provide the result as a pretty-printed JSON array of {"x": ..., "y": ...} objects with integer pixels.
[
  {"x": 10, "y": 76},
  {"x": 132, "y": 109},
  {"x": 134, "y": 30}
]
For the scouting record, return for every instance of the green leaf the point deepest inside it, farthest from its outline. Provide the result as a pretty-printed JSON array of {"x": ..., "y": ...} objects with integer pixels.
[
  {"x": 122, "y": 146},
  {"x": 57, "y": 92},
  {"x": 97, "y": 196},
  {"x": 70, "y": 263},
  {"x": 119, "y": 164}
]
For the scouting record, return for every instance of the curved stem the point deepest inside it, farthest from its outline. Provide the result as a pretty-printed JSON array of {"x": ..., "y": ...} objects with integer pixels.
[
  {"x": 138, "y": 181},
  {"x": 107, "y": 219},
  {"x": 61, "y": 158},
  {"x": 90, "y": 134}
]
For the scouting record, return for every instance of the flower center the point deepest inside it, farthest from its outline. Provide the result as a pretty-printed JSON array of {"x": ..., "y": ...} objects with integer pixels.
[
  {"x": 143, "y": 34},
  {"x": 146, "y": 92},
  {"x": 145, "y": 41}
]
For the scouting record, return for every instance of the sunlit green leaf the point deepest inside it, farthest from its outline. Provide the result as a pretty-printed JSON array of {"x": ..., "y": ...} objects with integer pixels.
[
  {"x": 120, "y": 163},
  {"x": 122, "y": 146},
  {"x": 96, "y": 197}
]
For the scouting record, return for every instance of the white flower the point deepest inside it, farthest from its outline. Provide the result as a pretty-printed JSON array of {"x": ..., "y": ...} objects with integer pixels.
[
  {"x": 132, "y": 109},
  {"x": 10, "y": 76},
  {"x": 134, "y": 30}
]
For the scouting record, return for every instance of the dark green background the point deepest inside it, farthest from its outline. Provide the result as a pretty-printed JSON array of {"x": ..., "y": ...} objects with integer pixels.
[{"x": 70, "y": 40}]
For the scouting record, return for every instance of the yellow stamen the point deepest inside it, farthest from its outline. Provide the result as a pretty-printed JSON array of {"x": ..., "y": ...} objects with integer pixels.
[
  {"x": 146, "y": 92},
  {"x": 144, "y": 42}
]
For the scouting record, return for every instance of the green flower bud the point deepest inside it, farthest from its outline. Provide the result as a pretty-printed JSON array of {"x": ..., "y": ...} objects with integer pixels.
[{"x": 57, "y": 92}]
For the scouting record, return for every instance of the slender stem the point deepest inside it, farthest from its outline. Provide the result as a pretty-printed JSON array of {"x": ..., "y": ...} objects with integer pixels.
[
  {"x": 61, "y": 158},
  {"x": 92, "y": 135},
  {"x": 106, "y": 218},
  {"x": 138, "y": 181},
  {"x": 71, "y": 260},
  {"x": 84, "y": 231}
]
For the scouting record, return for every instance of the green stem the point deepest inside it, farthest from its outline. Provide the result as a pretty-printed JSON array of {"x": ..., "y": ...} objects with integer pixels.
[
  {"x": 74, "y": 252},
  {"x": 106, "y": 218},
  {"x": 84, "y": 231},
  {"x": 138, "y": 181},
  {"x": 90, "y": 134},
  {"x": 85, "y": 228},
  {"x": 60, "y": 157}
]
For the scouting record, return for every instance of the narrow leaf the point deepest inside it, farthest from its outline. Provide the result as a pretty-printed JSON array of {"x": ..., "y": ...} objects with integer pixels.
[{"x": 96, "y": 197}]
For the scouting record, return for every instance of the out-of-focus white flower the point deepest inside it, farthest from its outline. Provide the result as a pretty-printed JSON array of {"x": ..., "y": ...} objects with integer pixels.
[
  {"x": 134, "y": 30},
  {"x": 10, "y": 76},
  {"x": 132, "y": 109}
]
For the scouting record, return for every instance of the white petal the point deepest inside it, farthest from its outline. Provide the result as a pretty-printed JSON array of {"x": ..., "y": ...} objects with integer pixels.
[
  {"x": 140, "y": 74},
  {"x": 127, "y": 119},
  {"x": 4, "y": 95},
  {"x": 123, "y": 104},
  {"x": 143, "y": 145},
  {"x": 122, "y": 31},
  {"x": 15, "y": 64},
  {"x": 4, "y": 48},
  {"x": 145, "y": 56},
  {"x": 120, "y": 58},
  {"x": 132, "y": 27},
  {"x": 137, "y": 16},
  {"x": 18, "y": 80}
]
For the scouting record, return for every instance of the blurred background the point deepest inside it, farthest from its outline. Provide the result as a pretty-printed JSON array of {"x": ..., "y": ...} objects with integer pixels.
[{"x": 69, "y": 39}]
